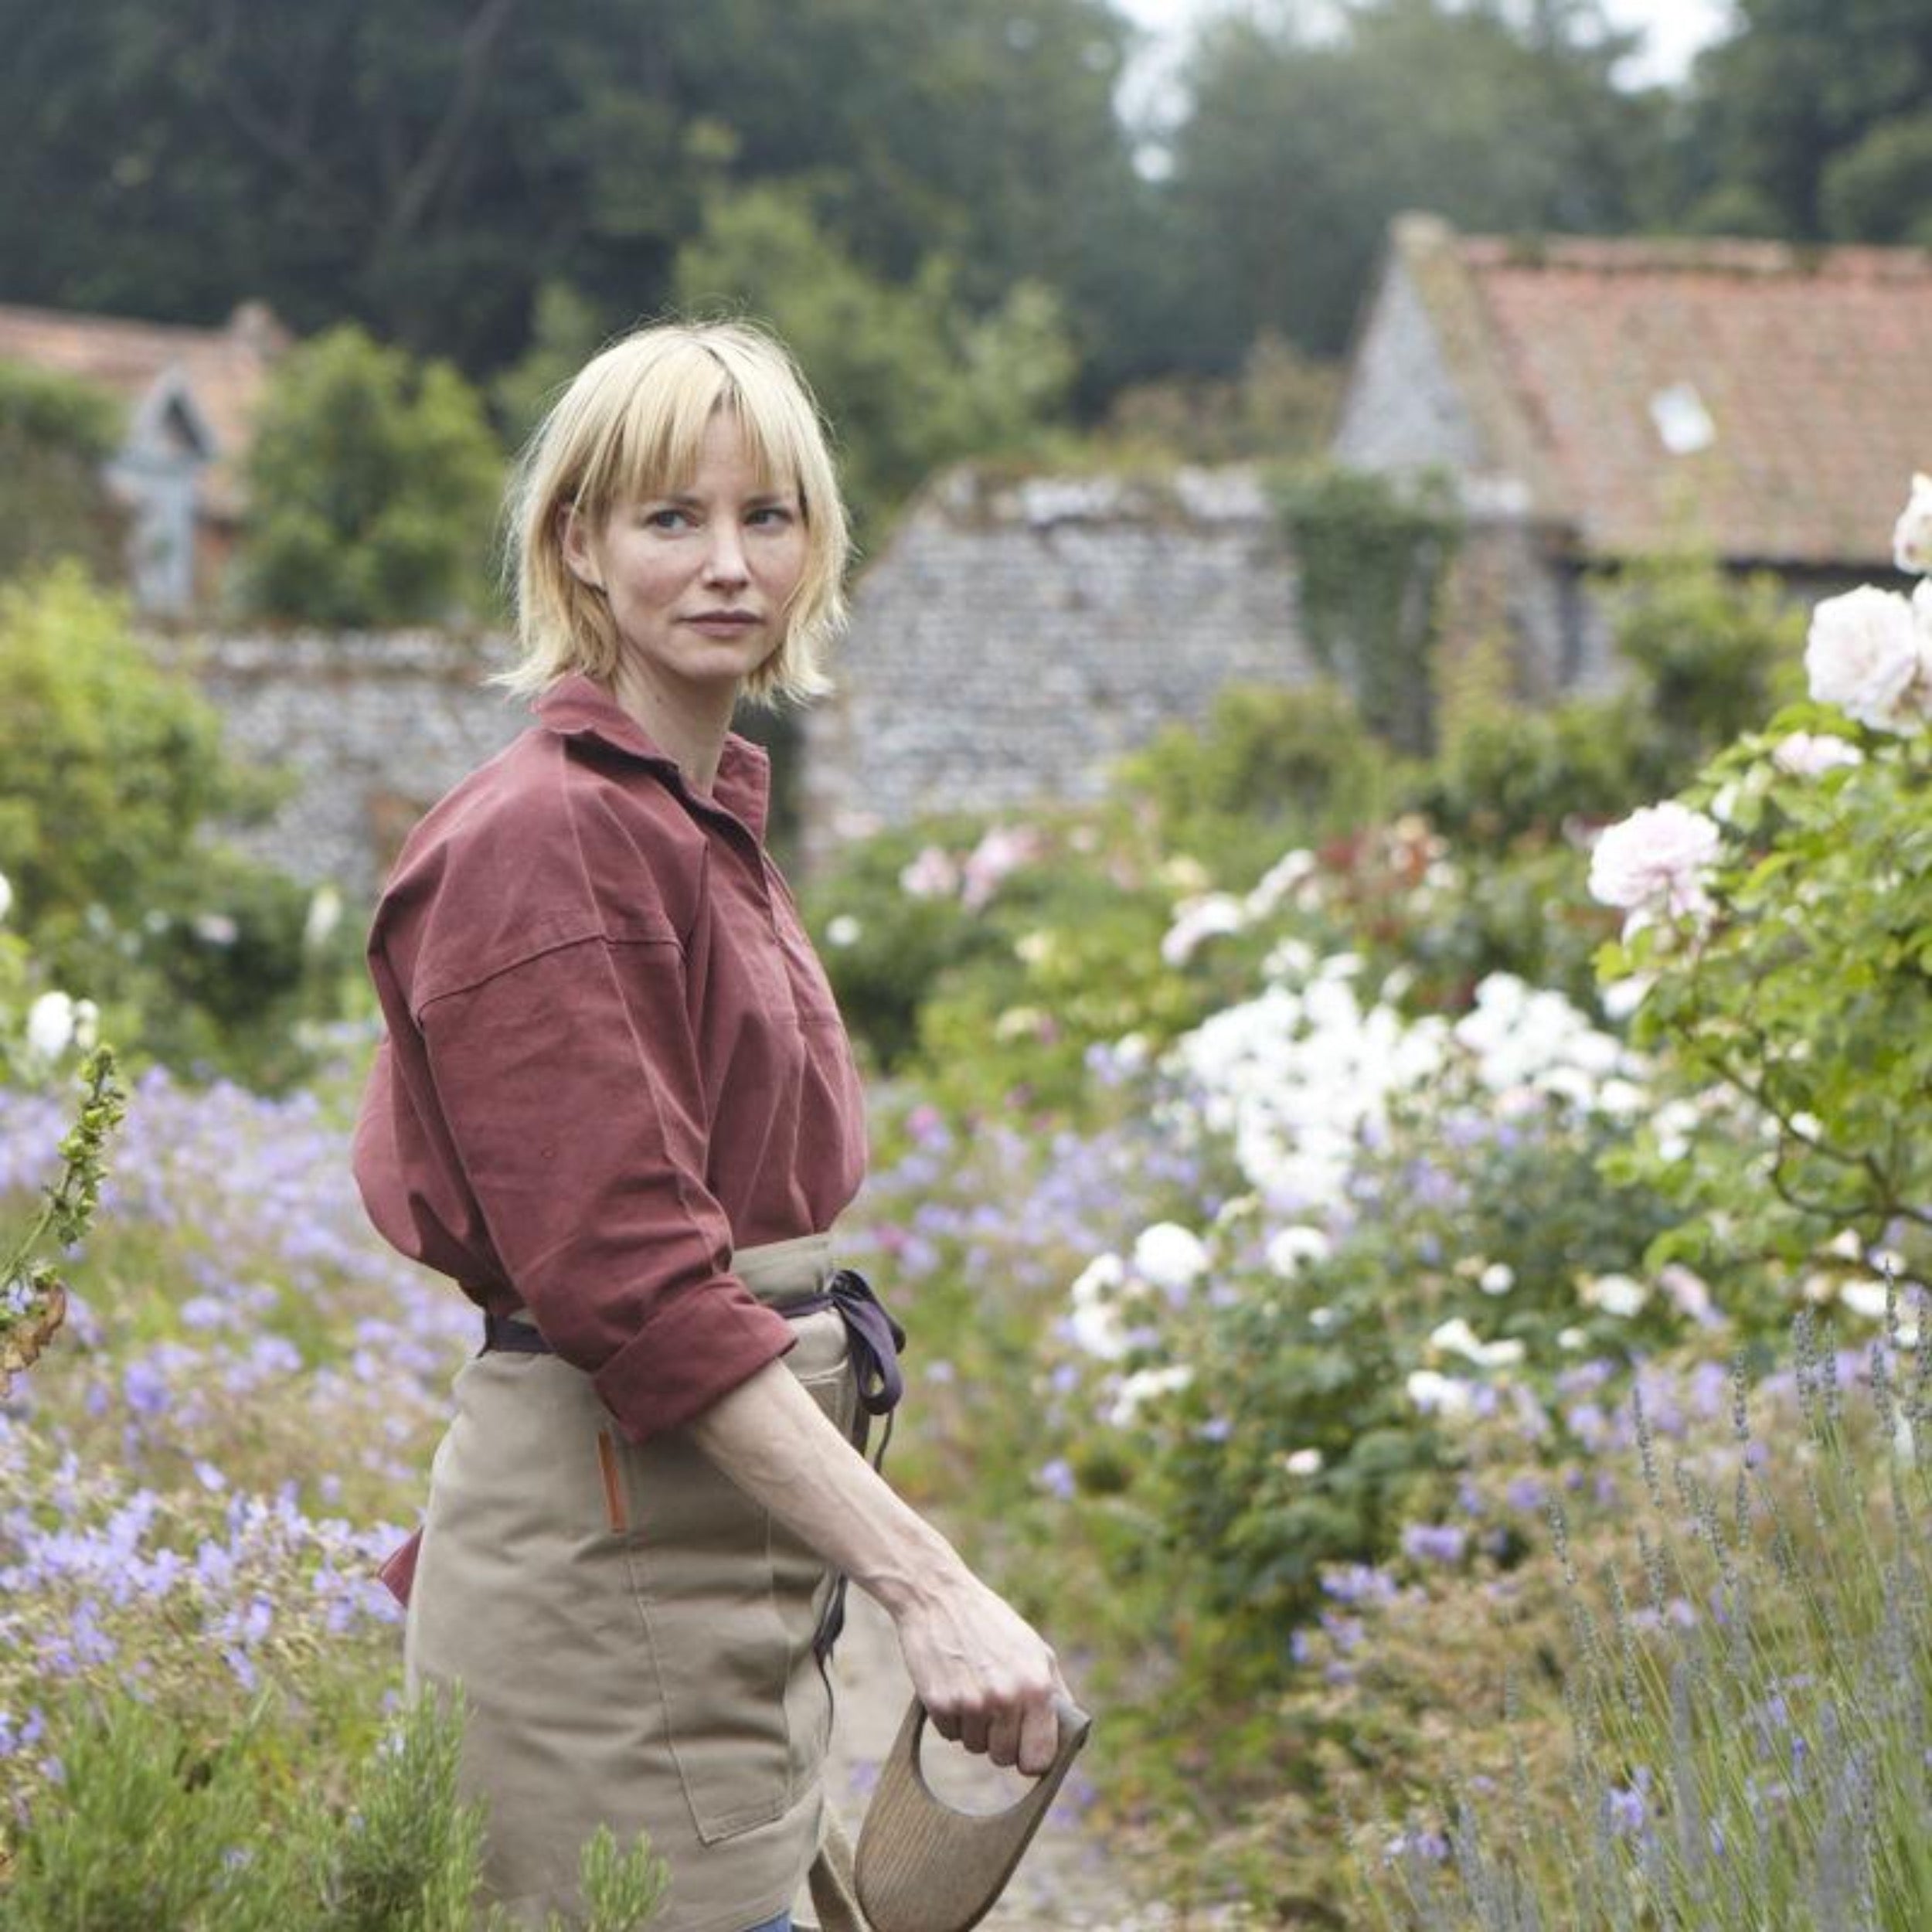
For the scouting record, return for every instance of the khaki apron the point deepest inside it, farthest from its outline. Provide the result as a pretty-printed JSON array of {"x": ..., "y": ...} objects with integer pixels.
[{"x": 633, "y": 1634}]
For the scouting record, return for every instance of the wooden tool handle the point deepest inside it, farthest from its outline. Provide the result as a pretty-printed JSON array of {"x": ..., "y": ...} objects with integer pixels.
[{"x": 922, "y": 1866}]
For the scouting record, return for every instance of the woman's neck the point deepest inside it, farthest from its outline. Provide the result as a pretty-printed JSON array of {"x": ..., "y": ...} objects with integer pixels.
[{"x": 688, "y": 721}]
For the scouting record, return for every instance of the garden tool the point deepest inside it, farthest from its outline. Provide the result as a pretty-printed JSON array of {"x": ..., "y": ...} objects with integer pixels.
[{"x": 922, "y": 1866}]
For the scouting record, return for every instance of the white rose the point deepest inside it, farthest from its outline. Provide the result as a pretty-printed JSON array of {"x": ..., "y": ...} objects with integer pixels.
[
  {"x": 1196, "y": 920},
  {"x": 6, "y": 895},
  {"x": 1810, "y": 754},
  {"x": 1438, "y": 1395},
  {"x": 1302, "y": 1462},
  {"x": 1171, "y": 1258},
  {"x": 50, "y": 1023},
  {"x": 1912, "y": 537},
  {"x": 324, "y": 914},
  {"x": 1864, "y": 1298},
  {"x": 1294, "y": 1248},
  {"x": 1498, "y": 1278},
  {"x": 1661, "y": 852},
  {"x": 842, "y": 929},
  {"x": 1616, "y": 1295},
  {"x": 1863, "y": 656}
]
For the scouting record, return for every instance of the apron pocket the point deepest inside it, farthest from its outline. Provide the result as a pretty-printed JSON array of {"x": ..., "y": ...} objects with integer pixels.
[{"x": 730, "y": 1602}]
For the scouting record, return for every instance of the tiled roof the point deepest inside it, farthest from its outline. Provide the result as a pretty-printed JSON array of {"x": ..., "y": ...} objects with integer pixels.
[
  {"x": 1772, "y": 402},
  {"x": 224, "y": 370}
]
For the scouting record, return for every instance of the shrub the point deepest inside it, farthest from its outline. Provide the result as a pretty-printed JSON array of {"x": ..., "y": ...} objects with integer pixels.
[
  {"x": 373, "y": 485},
  {"x": 56, "y": 434},
  {"x": 1270, "y": 770},
  {"x": 115, "y": 770},
  {"x": 151, "y": 1822}
]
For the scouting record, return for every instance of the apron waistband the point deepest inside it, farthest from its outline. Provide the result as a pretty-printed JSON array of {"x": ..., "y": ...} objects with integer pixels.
[{"x": 795, "y": 1278}]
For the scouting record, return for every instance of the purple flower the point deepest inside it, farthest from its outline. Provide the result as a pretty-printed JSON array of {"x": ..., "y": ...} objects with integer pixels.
[
  {"x": 1435, "y": 1543},
  {"x": 1056, "y": 1478}
]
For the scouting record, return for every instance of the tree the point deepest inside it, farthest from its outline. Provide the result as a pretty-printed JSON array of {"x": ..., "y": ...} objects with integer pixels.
[
  {"x": 372, "y": 483},
  {"x": 909, "y": 377},
  {"x": 1295, "y": 153},
  {"x": 54, "y": 435},
  {"x": 427, "y": 166},
  {"x": 1812, "y": 116}
]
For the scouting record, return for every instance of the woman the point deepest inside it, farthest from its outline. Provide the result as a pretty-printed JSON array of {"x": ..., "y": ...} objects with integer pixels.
[{"x": 616, "y": 1103}]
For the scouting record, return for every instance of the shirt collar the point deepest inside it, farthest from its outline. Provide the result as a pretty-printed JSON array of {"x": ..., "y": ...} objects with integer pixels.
[{"x": 577, "y": 707}]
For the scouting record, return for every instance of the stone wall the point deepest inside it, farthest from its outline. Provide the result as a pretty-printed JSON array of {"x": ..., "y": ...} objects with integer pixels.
[
  {"x": 1015, "y": 640},
  {"x": 1402, "y": 409},
  {"x": 372, "y": 729}
]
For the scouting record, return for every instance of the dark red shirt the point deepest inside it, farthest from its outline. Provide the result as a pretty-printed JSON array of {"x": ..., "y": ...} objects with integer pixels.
[{"x": 612, "y": 1056}]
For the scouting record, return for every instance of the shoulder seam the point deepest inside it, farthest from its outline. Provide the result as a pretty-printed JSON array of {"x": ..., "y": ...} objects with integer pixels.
[{"x": 668, "y": 939}]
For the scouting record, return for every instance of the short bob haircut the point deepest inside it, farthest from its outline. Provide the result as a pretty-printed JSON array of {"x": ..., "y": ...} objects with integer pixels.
[{"x": 630, "y": 426}]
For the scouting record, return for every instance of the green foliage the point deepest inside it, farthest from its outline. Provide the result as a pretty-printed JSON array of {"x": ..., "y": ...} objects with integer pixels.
[
  {"x": 911, "y": 380},
  {"x": 426, "y": 168},
  {"x": 54, "y": 435},
  {"x": 1297, "y": 149},
  {"x": 1279, "y": 409},
  {"x": 1704, "y": 654},
  {"x": 566, "y": 329},
  {"x": 115, "y": 768},
  {"x": 1799, "y": 1004},
  {"x": 373, "y": 485},
  {"x": 1878, "y": 190},
  {"x": 1372, "y": 554},
  {"x": 1272, "y": 768},
  {"x": 152, "y": 1823},
  {"x": 32, "y": 1297},
  {"x": 1811, "y": 111}
]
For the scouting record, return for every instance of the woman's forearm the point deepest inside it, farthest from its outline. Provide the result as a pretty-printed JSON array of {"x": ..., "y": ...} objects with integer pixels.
[
  {"x": 984, "y": 1674},
  {"x": 772, "y": 1439}
]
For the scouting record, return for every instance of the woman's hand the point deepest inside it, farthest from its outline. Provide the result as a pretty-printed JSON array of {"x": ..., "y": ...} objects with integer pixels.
[{"x": 987, "y": 1678}]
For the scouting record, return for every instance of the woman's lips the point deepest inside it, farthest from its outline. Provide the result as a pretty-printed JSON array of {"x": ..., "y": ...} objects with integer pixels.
[{"x": 724, "y": 623}]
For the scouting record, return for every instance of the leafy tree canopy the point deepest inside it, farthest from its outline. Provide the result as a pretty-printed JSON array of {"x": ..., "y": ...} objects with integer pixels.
[{"x": 373, "y": 483}]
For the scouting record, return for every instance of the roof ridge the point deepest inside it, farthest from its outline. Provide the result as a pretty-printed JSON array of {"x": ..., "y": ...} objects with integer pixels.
[{"x": 1690, "y": 254}]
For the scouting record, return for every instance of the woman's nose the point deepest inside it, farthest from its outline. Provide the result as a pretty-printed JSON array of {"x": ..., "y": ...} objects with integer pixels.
[{"x": 724, "y": 557}]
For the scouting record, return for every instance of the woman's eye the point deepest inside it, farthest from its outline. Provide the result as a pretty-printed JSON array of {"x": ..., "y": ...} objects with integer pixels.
[
  {"x": 664, "y": 520},
  {"x": 771, "y": 515}
]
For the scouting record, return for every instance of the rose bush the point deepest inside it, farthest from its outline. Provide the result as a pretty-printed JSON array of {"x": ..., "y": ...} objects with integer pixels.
[{"x": 1785, "y": 965}]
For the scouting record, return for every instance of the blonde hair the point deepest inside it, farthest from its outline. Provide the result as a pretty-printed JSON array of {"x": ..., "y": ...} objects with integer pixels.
[{"x": 631, "y": 425}]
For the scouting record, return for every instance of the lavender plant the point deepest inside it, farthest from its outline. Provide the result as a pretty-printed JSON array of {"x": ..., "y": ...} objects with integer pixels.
[{"x": 1750, "y": 1713}]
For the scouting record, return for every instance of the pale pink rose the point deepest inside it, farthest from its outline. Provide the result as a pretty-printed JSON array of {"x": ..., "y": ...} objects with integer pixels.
[
  {"x": 933, "y": 875},
  {"x": 1002, "y": 851},
  {"x": 1660, "y": 853},
  {"x": 1864, "y": 656},
  {"x": 1811, "y": 754},
  {"x": 1912, "y": 537}
]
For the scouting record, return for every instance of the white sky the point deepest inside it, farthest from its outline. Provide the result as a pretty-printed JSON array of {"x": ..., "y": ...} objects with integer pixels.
[{"x": 1675, "y": 29}]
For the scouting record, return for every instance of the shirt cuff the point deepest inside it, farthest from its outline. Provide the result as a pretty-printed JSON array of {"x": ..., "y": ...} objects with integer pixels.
[{"x": 696, "y": 1348}]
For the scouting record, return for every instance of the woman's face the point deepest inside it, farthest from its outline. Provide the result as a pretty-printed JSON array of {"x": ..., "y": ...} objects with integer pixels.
[{"x": 697, "y": 579}]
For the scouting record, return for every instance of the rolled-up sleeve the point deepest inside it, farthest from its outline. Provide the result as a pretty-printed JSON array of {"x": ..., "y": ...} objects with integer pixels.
[{"x": 569, "y": 1087}]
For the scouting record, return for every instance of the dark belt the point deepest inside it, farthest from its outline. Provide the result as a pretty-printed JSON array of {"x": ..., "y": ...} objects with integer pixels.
[{"x": 873, "y": 1337}]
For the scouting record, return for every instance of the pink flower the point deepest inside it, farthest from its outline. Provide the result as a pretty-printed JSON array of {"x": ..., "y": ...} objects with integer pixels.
[
  {"x": 1866, "y": 652},
  {"x": 1002, "y": 851},
  {"x": 1661, "y": 852},
  {"x": 932, "y": 874}
]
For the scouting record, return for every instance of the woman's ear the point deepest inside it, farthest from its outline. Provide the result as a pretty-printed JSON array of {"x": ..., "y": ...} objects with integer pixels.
[{"x": 573, "y": 540}]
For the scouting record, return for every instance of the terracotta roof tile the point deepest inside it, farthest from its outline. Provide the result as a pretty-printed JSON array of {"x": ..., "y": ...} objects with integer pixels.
[
  {"x": 1814, "y": 368},
  {"x": 224, "y": 368}
]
